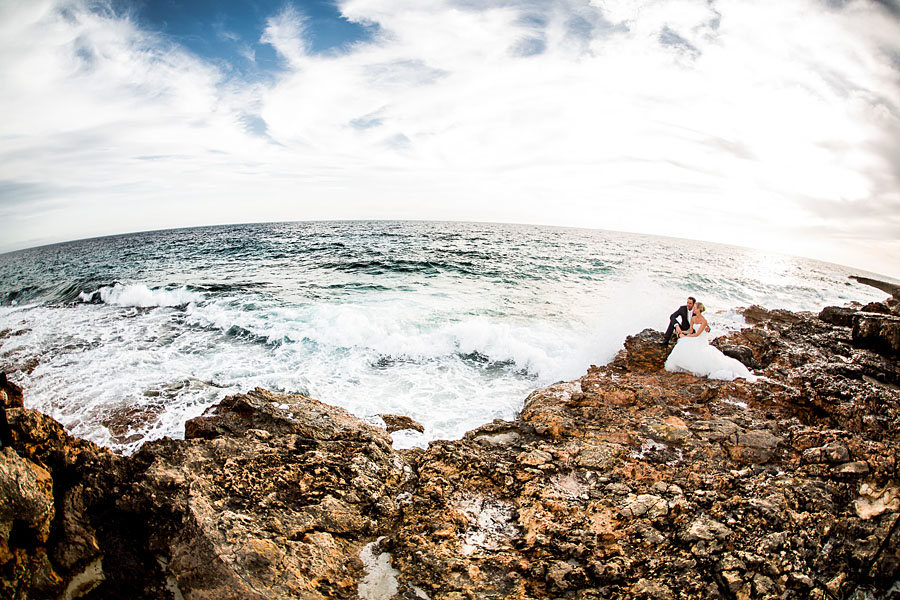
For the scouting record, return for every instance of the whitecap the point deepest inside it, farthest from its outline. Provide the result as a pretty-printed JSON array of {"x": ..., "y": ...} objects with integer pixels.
[{"x": 141, "y": 296}]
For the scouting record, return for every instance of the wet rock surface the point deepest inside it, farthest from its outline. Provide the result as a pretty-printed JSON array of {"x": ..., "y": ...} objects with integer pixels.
[{"x": 629, "y": 482}]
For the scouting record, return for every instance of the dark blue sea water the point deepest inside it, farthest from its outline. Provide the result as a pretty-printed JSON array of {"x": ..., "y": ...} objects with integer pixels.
[{"x": 124, "y": 338}]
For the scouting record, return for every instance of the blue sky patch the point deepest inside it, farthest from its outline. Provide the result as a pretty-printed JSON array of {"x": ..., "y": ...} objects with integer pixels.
[{"x": 228, "y": 32}]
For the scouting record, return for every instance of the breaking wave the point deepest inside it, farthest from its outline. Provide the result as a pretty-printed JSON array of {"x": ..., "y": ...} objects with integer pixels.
[{"x": 140, "y": 296}]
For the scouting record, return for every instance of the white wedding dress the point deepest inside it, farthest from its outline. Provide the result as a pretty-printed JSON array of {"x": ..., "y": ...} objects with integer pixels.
[{"x": 694, "y": 355}]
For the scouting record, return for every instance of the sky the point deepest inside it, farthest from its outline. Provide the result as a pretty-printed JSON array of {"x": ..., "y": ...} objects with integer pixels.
[{"x": 773, "y": 124}]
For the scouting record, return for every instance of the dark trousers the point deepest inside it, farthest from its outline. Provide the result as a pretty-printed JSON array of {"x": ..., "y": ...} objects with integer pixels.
[{"x": 681, "y": 313}]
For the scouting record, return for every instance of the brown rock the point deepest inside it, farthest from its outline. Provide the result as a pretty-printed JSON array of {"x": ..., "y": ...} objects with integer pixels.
[
  {"x": 80, "y": 546},
  {"x": 754, "y": 447},
  {"x": 10, "y": 393},
  {"x": 401, "y": 422},
  {"x": 854, "y": 469},
  {"x": 756, "y": 314},
  {"x": 275, "y": 493},
  {"x": 598, "y": 457},
  {"x": 645, "y": 588},
  {"x": 672, "y": 430},
  {"x": 645, "y": 505},
  {"x": 27, "y": 493},
  {"x": 877, "y": 307},
  {"x": 880, "y": 333},
  {"x": 838, "y": 315},
  {"x": 715, "y": 430},
  {"x": 744, "y": 354},
  {"x": 831, "y": 453},
  {"x": 644, "y": 352},
  {"x": 707, "y": 529}
]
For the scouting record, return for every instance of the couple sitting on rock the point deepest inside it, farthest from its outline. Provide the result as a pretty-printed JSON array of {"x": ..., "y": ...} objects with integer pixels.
[{"x": 693, "y": 353}]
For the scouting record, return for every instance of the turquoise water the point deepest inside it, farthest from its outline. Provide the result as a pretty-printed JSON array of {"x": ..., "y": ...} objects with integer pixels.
[{"x": 124, "y": 338}]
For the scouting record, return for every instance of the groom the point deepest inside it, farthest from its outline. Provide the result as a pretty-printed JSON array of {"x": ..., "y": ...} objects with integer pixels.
[{"x": 684, "y": 313}]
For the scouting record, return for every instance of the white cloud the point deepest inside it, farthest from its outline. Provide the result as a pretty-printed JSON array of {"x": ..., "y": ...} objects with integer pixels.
[
  {"x": 758, "y": 118},
  {"x": 286, "y": 32}
]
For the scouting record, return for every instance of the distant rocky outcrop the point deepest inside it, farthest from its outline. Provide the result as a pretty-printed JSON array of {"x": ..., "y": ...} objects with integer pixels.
[
  {"x": 889, "y": 288},
  {"x": 629, "y": 482}
]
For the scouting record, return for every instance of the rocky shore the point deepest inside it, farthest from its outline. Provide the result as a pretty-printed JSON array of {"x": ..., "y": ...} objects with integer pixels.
[{"x": 629, "y": 482}]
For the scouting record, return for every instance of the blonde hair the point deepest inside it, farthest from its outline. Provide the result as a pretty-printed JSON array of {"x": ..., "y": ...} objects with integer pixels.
[{"x": 699, "y": 306}]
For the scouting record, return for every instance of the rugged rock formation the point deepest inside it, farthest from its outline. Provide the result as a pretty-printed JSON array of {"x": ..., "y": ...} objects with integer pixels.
[
  {"x": 643, "y": 353},
  {"x": 627, "y": 483},
  {"x": 54, "y": 488},
  {"x": 877, "y": 332},
  {"x": 270, "y": 496},
  {"x": 876, "y": 326},
  {"x": 276, "y": 497}
]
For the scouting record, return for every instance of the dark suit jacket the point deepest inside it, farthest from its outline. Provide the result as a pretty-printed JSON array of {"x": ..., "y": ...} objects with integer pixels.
[{"x": 682, "y": 313}]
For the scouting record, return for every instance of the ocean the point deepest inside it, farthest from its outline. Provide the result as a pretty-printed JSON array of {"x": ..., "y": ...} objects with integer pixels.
[{"x": 122, "y": 339}]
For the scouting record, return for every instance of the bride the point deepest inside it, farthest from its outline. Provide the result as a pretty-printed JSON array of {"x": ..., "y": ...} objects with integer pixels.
[{"x": 693, "y": 354}]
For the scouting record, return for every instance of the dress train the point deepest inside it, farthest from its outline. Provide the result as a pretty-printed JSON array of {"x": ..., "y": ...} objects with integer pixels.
[{"x": 694, "y": 355}]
